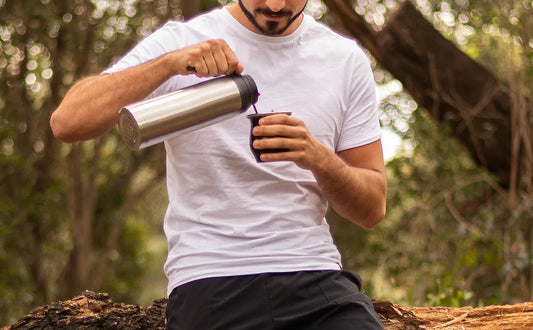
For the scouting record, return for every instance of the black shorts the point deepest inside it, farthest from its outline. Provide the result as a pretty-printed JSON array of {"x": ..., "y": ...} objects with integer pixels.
[{"x": 327, "y": 300}]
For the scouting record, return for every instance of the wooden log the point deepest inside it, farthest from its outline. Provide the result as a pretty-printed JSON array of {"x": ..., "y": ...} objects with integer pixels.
[{"x": 97, "y": 311}]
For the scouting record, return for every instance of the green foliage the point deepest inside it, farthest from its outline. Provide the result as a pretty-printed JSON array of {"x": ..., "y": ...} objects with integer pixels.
[
  {"x": 448, "y": 296},
  {"x": 206, "y": 5},
  {"x": 128, "y": 261},
  {"x": 496, "y": 33}
]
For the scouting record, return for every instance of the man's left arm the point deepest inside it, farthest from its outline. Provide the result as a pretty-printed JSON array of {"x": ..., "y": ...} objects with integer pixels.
[
  {"x": 355, "y": 184},
  {"x": 353, "y": 181}
]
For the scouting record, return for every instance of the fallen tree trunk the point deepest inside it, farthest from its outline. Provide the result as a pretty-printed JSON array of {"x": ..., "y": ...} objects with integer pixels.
[
  {"x": 96, "y": 311},
  {"x": 455, "y": 89}
]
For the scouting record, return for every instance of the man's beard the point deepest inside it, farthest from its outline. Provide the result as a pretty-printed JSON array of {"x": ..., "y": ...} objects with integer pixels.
[{"x": 271, "y": 28}]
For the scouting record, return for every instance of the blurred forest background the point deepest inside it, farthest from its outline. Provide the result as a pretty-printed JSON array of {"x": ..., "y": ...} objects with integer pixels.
[{"x": 459, "y": 227}]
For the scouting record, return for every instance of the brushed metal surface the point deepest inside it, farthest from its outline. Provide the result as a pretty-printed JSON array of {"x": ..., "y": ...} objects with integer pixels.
[{"x": 152, "y": 121}]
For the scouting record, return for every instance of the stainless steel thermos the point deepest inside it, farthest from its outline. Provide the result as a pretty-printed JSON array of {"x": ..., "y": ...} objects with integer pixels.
[{"x": 155, "y": 120}]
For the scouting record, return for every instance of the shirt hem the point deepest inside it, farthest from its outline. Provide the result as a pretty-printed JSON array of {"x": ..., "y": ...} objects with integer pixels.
[{"x": 179, "y": 282}]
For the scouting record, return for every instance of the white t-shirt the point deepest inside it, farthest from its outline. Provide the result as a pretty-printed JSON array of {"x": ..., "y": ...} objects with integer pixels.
[{"x": 229, "y": 215}]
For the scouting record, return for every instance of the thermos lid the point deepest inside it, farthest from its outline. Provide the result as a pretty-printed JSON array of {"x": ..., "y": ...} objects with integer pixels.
[{"x": 247, "y": 89}]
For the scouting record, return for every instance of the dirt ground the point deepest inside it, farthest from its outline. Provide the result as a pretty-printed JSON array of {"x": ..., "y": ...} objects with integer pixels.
[{"x": 97, "y": 311}]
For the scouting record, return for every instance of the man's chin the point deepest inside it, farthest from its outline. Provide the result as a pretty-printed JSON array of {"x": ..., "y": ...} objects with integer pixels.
[{"x": 274, "y": 28}]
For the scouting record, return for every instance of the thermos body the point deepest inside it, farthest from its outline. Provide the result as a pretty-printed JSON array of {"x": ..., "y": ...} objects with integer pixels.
[{"x": 155, "y": 120}]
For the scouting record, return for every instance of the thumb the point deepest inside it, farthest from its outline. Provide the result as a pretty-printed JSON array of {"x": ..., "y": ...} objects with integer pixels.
[{"x": 239, "y": 69}]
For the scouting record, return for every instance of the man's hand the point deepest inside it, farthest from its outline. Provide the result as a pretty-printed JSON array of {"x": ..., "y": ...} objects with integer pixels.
[
  {"x": 353, "y": 181},
  {"x": 288, "y": 132},
  {"x": 210, "y": 58}
]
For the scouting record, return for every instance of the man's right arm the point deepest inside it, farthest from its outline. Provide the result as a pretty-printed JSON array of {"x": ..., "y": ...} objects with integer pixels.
[{"x": 90, "y": 108}]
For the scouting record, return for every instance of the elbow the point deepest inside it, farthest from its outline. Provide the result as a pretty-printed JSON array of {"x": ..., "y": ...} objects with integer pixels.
[
  {"x": 72, "y": 129},
  {"x": 375, "y": 210},
  {"x": 375, "y": 217},
  {"x": 379, "y": 209},
  {"x": 368, "y": 217},
  {"x": 60, "y": 128}
]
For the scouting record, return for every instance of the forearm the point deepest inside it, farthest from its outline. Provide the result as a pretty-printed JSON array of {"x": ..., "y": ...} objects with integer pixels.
[
  {"x": 91, "y": 106},
  {"x": 357, "y": 194}
]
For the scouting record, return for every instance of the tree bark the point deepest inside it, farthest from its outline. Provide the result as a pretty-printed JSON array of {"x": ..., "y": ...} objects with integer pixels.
[
  {"x": 455, "y": 89},
  {"x": 189, "y": 8},
  {"x": 92, "y": 310}
]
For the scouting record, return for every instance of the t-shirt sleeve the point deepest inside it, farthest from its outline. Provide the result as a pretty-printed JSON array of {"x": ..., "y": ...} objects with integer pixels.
[
  {"x": 360, "y": 124},
  {"x": 166, "y": 39},
  {"x": 151, "y": 47}
]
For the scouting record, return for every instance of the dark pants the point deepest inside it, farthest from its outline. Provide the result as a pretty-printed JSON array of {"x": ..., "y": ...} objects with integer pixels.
[{"x": 327, "y": 300}]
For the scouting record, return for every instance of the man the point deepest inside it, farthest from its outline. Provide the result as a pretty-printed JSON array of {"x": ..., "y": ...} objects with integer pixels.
[{"x": 249, "y": 247}]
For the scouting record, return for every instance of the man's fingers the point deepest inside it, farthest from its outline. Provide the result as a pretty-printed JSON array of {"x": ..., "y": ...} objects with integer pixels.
[
  {"x": 213, "y": 58},
  {"x": 234, "y": 66},
  {"x": 280, "y": 119},
  {"x": 281, "y": 125}
]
